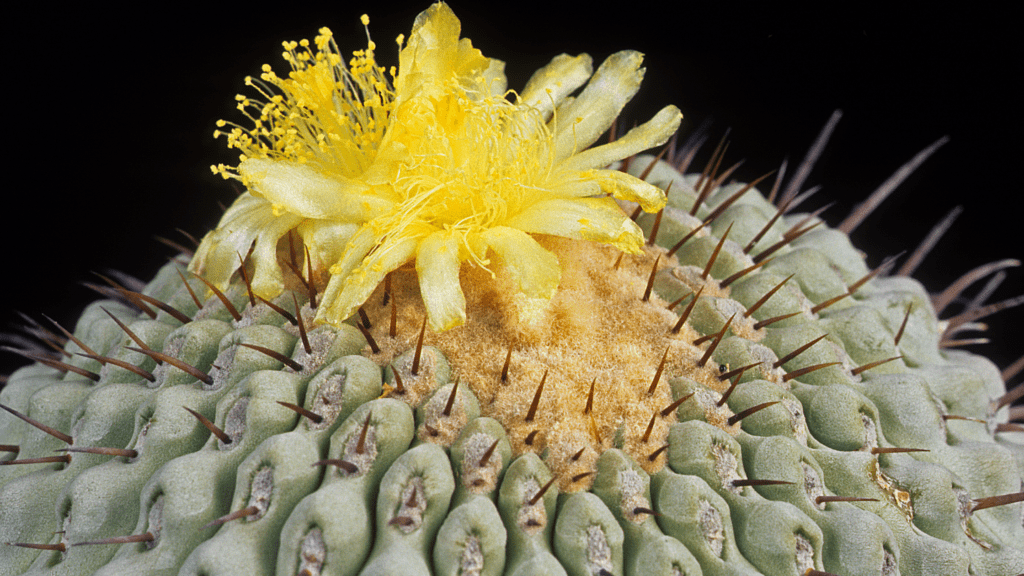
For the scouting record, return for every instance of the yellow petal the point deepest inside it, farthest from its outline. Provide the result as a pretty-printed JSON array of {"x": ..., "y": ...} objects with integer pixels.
[
  {"x": 580, "y": 123},
  {"x": 534, "y": 269},
  {"x": 577, "y": 186},
  {"x": 248, "y": 219},
  {"x": 595, "y": 219},
  {"x": 355, "y": 250},
  {"x": 495, "y": 82},
  {"x": 435, "y": 55},
  {"x": 550, "y": 85},
  {"x": 302, "y": 191},
  {"x": 325, "y": 239},
  {"x": 437, "y": 265},
  {"x": 628, "y": 187},
  {"x": 267, "y": 280},
  {"x": 386, "y": 165},
  {"x": 346, "y": 292},
  {"x": 654, "y": 132}
]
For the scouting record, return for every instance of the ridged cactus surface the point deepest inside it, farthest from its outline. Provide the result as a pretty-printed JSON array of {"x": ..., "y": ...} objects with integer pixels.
[{"x": 738, "y": 395}]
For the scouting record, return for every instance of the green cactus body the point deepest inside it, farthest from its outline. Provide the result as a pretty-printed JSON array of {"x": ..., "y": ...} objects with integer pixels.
[{"x": 802, "y": 418}]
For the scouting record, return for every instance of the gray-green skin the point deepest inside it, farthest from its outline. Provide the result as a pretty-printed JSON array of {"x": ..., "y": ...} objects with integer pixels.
[{"x": 407, "y": 501}]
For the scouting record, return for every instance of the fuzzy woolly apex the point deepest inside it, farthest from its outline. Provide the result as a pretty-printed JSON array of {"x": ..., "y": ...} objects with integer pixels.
[{"x": 438, "y": 168}]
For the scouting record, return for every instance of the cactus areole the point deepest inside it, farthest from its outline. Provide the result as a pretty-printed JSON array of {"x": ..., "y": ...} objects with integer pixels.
[{"x": 448, "y": 328}]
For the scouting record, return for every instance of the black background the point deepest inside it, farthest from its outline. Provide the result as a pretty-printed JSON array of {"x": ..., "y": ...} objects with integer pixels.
[{"x": 111, "y": 114}]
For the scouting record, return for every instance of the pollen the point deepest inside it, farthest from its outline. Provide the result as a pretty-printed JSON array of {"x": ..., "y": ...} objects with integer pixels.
[{"x": 324, "y": 113}]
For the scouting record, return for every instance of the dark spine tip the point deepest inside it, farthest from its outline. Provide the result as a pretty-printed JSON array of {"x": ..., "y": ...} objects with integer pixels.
[
  {"x": 488, "y": 453},
  {"x": 70, "y": 336},
  {"x": 123, "y": 452},
  {"x": 275, "y": 355},
  {"x": 654, "y": 455},
  {"x": 804, "y": 371},
  {"x": 650, "y": 279},
  {"x": 590, "y": 398},
  {"x": 243, "y": 513},
  {"x": 657, "y": 223},
  {"x": 770, "y": 321},
  {"x": 170, "y": 310},
  {"x": 364, "y": 318},
  {"x": 798, "y": 351},
  {"x": 419, "y": 349},
  {"x": 284, "y": 313},
  {"x": 540, "y": 493},
  {"x": 682, "y": 241},
  {"x": 374, "y": 348},
  {"x": 65, "y": 459},
  {"x": 67, "y": 439},
  {"x": 536, "y": 399},
  {"x": 725, "y": 283},
  {"x": 581, "y": 476},
  {"x": 654, "y": 162},
  {"x": 147, "y": 537},
  {"x": 213, "y": 428},
  {"x": 725, "y": 204},
  {"x": 958, "y": 417},
  {"x": 128, "y": 295},
  {"x": 451, "y": 399},
  {"x": 736, "y": 372},
  {"x": 180, "y": 365},
  {"x": 361, "y": 443},
  {"x": 714, "y": 343},
  {"x": 788, "y": 237},
  {"x": 310, "y": 285},
  {"x": 671, "y": 407},
  {"x": 686, "y": 313},
  {"x": 399, "y": 385},
  {"x": 223, "y": 299},
  {"x": 896, "y": 450},
  {"x": 714, "y": 255},
  {"x": 309, "y": 414},
  {"x": 767, "y": 295},
  {"x": 750, "y": 411},
  {"x": 122, "y": 364},
  {"x": 650, "y": 428},
  {"x": 865, "y": 367},
  {"x": 176, "y": 246},
  {"x": 709, "y": 170},
  {"x": 302, "y": 326},
  {"x": 821, "y": 306},
  {"x": 59, "y": 547},
  {"x": 191, "y": 292},
  {"x": 1001, "y": 500},
  {"x": 531, "y": 437},
  {"x": 508, "y": 362},
  {"x": 658, "y": 373},
  {"x": 338, "y": 463}
]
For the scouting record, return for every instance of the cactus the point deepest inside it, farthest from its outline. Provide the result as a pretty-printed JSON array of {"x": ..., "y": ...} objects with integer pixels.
[{"x": 726, "y": 408}]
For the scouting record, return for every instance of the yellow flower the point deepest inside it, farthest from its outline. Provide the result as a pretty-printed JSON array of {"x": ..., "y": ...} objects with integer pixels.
[{"x": 441, "y": 170}]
